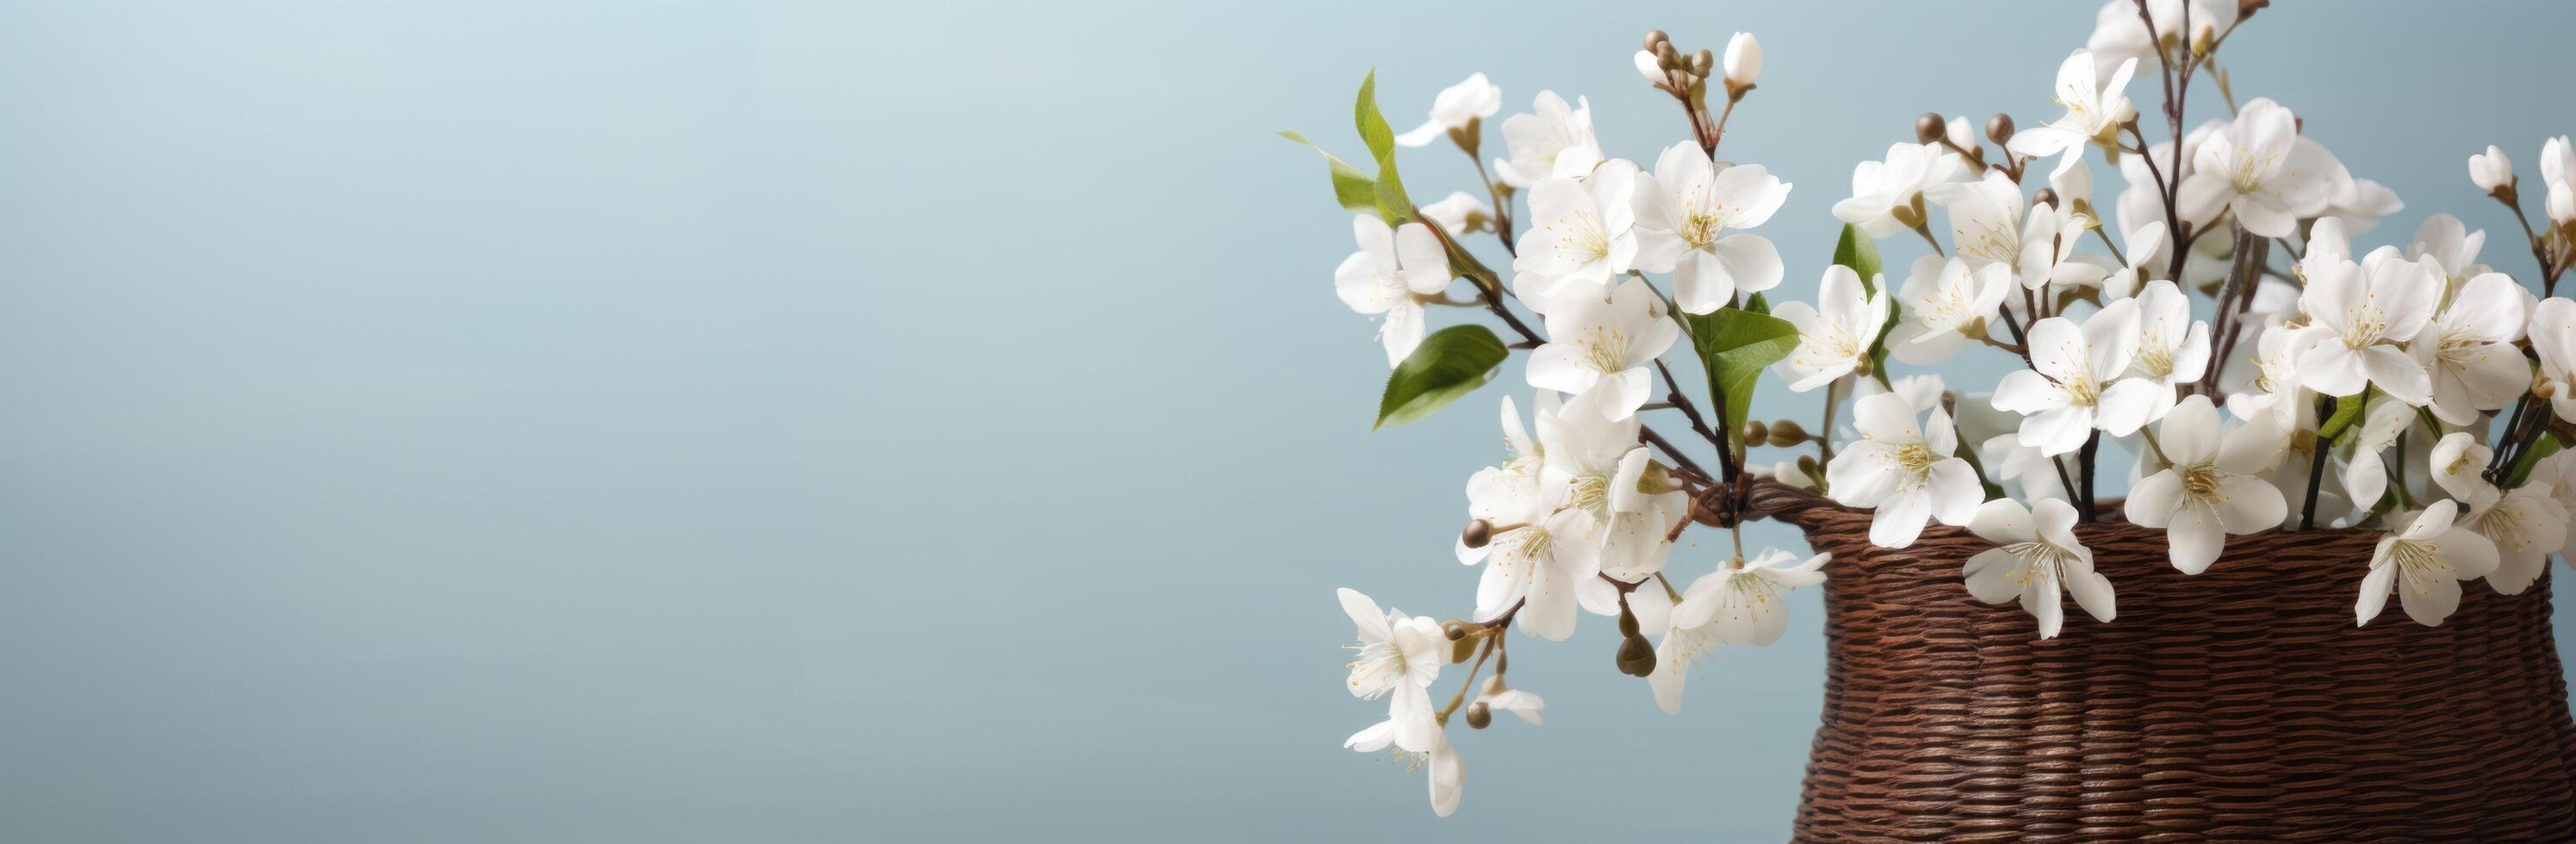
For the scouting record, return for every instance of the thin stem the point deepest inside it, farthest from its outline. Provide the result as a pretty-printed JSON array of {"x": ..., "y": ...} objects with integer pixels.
[
  {"x": 2316, "y": 470},
  {"x": 2084, "y": 460},
  {"x": 1502, "y": 207}
]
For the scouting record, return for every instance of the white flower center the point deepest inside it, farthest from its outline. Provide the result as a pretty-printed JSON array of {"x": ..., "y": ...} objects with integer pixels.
[
  {"x": 2153, "y": 361},
  {"x": 1591, "y": 494},
  {"x": 1380, "y": 666},
  {"x": 1583, "y": 237},
  {"x": 2462, "y": 348},
  {"x": 1994, "y": 243},
  {"x": 1702, "y": 227},
  {"x": 1604, "y": 349},
  {"x": 2503, "y": 526},
  {"x": 2420, "y": 564},
  {"x": 2364, "y": 323},
  {"x": 2250, "y": 171},
  {"x": 2202, "y": 481},
  {"x": 2042, "y": 564},
  {"x": 2080, "y": 390}
]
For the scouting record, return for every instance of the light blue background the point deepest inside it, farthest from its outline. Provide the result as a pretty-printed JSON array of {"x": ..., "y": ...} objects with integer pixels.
[{"x": 617, "y": 421}]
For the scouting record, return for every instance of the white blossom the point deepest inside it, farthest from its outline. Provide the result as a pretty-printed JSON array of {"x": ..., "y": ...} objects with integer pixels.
[
  {"x": 2076, "y": 384},
  {"x": 2526, "y": 525},
  {"x": 2470, "y": 349},
  {"x": 1943, "y": 299},
  {"x": 2094, "y": 109},
  {"x": 2210, "y": 490},
  {"x": 1582, "y": 234},
  {"x": 1460, "y": 213},
  {"x": 1908, "y": 474},
  {"x": 2260, "y": 168},
  {"x": 1399, "y": 655},
  {"x": 1882, "y": 189},
  {"x": 1552, "y": 142},
  {"x": 2424, "y": 564},
  {"x": 2491, "y": 171},
  {"x": 2036, "y": 555},
  {"x": 2361, "y": 313},
  {"x": 1456, "y": 107},
  {"x": 1682, "y": 214},
  {"x": 1598, "y": 350},
  {"x": 1392, "y": 268},
  {"x": 1745, "y": 602},
  {"x": 1835, "y": 334},
  {"x": 1743, "y": 62}
]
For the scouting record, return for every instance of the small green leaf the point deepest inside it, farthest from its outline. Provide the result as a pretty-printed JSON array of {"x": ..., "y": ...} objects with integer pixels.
[
  {"x": 1757, "y": 304},
  {"x": 1352, "y": 188},
  {"x": 1450, "y": 363},
  {"x": 1391, "y": 201},
  {"x": 1860, "y": 253},
  {"x": 2550, "y": 442},
  {"x": 2347, "y": 411},
  {"x": 1735, "y": 345}
]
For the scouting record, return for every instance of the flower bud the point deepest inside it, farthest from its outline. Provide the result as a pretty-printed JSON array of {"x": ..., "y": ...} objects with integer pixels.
[
  {"x": 1786, "y": 433},
  {"x": 2044, "y": 196},
  {"x": 1670, "y": 57},
  {"x": 1929, "y": 128},
  {"x": 1651, "y": 69},
  {"x": 1654, "y": 38},
  {"x": 2562, "y": 204},
  {"x": 1743, "y": 60},
  {"x": 1999, "y": 128},
  {"x": 1636, "y": 658},
  {"x": 1478, "y": 533},
  {"x": 1702, "y": 63},
  {"x": 1479, "y": 716},
  {"x": 1960, "y": 136},
  {"x": 1755, "y": 432},
  {"x": 2492, "y": 172},
  {"x": 1454, "y": 631}
]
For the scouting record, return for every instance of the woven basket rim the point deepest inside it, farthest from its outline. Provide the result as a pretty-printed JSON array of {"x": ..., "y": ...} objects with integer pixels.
[{"x": 1780, "y": 501}]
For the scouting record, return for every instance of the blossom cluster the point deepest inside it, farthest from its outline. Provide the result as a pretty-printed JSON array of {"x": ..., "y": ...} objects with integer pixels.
[{"x": 2215, "y": 329}]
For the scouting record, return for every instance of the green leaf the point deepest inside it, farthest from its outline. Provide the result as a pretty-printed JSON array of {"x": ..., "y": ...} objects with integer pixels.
[
  {"x": 1352, "y": 188},
  {"x": 1391, "y": 201},
  {"x": 1450, "y": 363},
  {"x": 2347, "y": 411},
  {"x": 1860, "y": 253},
  {"x": 2550, "y": 442},
  {"x": 1735, "y": 345},
  {"x": 1757, "y": 304}
]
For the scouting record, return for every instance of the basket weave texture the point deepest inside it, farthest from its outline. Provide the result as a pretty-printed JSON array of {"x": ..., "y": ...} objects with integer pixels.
[{"x": 2238, "y": 704}]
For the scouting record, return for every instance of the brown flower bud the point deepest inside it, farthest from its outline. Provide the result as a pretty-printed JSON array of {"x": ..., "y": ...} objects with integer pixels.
[
  {"x": 2044, "y": 196},
  {"x": 1702, "y": 62},
  {"x": 1655, "y": 39},
  {"x": 1636, "y": 658},
  {"x": 1755, "y": 432},
  {"x": 1785, "y": 433},
  {"x": 1670, "y": 58},
  {"x": 1999, "y": 128},
  {"x": 1479, "y": 715},
  {"x": 1454, "y": 630},
  {"x": 1930, "y": 128},
  {"x": 1478, "y": 533}
]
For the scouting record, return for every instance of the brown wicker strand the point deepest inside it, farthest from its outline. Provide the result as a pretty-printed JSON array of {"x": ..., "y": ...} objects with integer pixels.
[{"x": 2238, "y": 704}]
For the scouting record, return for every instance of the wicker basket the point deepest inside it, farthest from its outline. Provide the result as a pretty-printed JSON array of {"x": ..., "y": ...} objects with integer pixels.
[{"x": 2238, "y": 704}]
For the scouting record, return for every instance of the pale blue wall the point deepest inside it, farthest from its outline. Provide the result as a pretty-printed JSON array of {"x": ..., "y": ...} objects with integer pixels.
[{"x": 614, "y": 421}]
